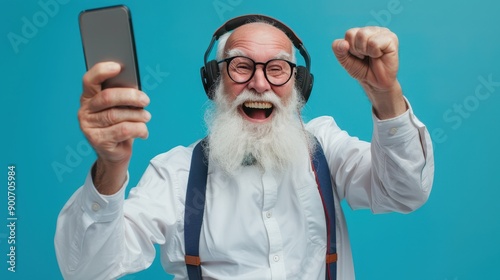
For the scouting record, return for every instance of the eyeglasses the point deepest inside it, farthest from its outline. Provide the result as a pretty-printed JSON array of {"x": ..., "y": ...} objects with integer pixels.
[{"x": 241, "y": 70}]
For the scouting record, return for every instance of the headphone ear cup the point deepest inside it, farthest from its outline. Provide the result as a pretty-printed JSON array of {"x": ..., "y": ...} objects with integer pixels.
[
  {"x": 304, "y": 81},
  {"x": 209, "y": 76}
]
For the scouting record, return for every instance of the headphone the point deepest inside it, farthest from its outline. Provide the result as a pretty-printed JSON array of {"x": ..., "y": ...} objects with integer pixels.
[{"x": 210, "y": 71}]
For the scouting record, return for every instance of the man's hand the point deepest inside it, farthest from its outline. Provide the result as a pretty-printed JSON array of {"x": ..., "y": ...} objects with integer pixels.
[
  {"x": 111, "y": 119},
  {"x": 370, "y": 55}
]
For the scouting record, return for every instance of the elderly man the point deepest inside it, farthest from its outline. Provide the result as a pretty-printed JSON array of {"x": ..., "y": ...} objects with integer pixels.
[{"x": 264, "y": 217}]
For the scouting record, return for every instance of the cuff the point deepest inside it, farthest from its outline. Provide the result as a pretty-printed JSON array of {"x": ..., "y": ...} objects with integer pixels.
[
  {"x": 101, "y": 208},
  {"x": 398, "y": 129}
]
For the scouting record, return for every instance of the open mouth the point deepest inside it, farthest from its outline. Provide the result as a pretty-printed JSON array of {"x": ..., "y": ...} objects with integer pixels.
[{"x": 257, "y": 110}]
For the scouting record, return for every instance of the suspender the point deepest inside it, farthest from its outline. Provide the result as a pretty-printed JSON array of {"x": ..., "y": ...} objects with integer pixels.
[
  {"x": 195, "y": 206},
  {"x": 193, "y": 214},
  {"x": 323, "y": 180}
]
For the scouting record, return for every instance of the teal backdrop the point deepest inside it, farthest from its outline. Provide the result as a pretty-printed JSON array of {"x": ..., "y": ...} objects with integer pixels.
[{"x": 449, "y": 56}]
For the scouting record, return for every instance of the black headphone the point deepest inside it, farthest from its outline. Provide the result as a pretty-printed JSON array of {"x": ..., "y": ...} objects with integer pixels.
[{"x": 210, "y": 71}]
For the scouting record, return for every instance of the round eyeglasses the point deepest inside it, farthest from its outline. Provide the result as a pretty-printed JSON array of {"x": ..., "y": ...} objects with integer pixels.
[{"x": 241, "y": 70}]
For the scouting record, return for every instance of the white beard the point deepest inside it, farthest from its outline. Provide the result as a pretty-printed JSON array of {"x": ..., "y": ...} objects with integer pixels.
[{"x": 235, "y": 142}]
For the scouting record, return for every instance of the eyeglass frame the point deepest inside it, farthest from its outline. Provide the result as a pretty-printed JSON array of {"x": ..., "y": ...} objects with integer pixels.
[{"x": 264, "y": 64}]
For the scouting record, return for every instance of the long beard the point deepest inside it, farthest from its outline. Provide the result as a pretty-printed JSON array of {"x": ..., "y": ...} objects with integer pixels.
[{"x": 275, "y": 145}]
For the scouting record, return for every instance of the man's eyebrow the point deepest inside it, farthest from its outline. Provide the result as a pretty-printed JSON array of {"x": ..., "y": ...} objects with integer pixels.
[
  {"x": 283, "y": 55},
  {"x": 235, "y": 52}
]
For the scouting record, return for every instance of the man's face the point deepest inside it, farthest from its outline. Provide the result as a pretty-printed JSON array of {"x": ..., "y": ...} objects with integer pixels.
[
  {"x": 260, "y": 42},
  {"x": 255, "y": 122}
]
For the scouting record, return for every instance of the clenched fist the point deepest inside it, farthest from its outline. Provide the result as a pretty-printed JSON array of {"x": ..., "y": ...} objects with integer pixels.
[{"x": 370, "y": 55}]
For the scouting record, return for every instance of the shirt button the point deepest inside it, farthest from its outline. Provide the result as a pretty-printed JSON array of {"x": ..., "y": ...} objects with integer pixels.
[
  {"x": 276, "y": 258},
  {"x": 393, "y": 131},
  {"x": 96, "y": 207},
  {"x": 269, "y": 214}
]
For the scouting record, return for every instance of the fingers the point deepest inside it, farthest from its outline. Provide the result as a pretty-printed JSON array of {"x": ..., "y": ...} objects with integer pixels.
[
  {"x": 108, "y": 131},
  {"x": 371, "y": 41},
  {"x": 106, "y": 139},
  {"x": 100, "y": 72},
  {"x": 117, "y": 97},
  {"x": 114, "y": 116},
  {"x": 108, "y": 120}
]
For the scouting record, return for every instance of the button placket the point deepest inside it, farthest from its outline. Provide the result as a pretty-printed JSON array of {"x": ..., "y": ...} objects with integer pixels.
[
  {"x": 269, "y": 214},
  {"x": 270, "y": 187}
]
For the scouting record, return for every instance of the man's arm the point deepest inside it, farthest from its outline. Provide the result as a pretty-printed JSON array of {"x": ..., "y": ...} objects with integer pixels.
[
  {"x": 106, "y": 236},
  {"x": 90, "y": 237},
  {"x": 395, "y": 172}
]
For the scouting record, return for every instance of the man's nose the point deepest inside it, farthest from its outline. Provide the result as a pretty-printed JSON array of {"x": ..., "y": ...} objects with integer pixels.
[{"x": 259, "y": 83}]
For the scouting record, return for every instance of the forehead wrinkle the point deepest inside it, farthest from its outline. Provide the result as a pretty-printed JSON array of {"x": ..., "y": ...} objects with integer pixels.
[
  {"x": 255, "y": 37},
  {"x": 247, "y": 44}
]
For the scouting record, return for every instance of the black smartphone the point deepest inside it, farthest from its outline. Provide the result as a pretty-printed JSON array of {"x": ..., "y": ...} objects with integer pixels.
[{"x": 107, "y": 35}]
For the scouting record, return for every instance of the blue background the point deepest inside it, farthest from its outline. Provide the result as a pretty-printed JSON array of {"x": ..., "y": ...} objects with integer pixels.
[{"x": 446, "y": 49}]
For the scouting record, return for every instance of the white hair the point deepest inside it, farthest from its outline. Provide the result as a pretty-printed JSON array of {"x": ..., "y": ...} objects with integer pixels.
[{"x": 221, "y": 45}]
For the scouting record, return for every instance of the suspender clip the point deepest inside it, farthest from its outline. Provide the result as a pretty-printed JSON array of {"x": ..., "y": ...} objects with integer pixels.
[
  {"x": 331, "y": 258},
  {"x": 192, "y": 260}
]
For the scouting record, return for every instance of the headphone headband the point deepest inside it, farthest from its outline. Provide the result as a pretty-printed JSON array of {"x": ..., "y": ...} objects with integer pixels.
[
  {"x": 236, "y": 22},
  {"x": 242, "y": 20}
]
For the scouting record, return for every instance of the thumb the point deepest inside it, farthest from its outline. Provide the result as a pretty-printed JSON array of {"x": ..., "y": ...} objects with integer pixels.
[
  {"x": 351, "y": 63},
  {"x": 93, "y": 79},
  {"x": 340, "y": 48}
]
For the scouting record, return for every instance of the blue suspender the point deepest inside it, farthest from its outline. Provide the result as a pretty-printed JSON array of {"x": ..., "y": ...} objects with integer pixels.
[
  {"x": 323, "y": 180},
  {"x": 195, "y": 206}
]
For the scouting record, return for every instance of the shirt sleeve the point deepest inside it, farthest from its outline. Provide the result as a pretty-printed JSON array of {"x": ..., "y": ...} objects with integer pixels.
[
  {"x": 106, "y": 237},
  {"x": 85, "y": 223},
  {"x": 393, "y": 173}
]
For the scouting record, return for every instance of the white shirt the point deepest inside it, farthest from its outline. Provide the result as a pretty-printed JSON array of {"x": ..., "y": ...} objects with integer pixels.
[{"x": 257, "y": 225}]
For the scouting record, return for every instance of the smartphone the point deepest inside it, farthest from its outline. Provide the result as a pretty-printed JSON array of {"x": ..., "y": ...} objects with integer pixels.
[{"x": 107, "y": 35}]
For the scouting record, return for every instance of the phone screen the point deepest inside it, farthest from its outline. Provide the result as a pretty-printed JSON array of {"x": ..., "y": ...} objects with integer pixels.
[{"x": 107, "y": 35}]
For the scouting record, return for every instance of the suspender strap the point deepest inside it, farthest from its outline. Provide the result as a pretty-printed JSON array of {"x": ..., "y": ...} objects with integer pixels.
[
  {"x": 195, "y": 206},
  {"x": 323, "y": 180}
]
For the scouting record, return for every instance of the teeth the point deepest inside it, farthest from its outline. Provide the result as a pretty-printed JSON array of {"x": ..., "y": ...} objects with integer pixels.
[{"x": 258, "y": 105}]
